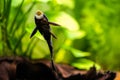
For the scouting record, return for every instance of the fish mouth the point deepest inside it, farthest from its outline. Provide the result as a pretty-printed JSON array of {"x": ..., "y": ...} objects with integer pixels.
[{"x": 39, "y": 14}]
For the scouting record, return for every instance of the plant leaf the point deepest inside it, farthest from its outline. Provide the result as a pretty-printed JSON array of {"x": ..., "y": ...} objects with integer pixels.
[{"x": 84, "y": 64}]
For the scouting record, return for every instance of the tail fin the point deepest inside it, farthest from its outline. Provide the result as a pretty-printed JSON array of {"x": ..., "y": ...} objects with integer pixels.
[
  {"x": 52, "y": 61},
  {"x": 51, "y": 54}
]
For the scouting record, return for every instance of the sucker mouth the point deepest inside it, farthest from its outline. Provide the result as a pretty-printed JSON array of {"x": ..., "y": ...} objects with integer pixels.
[{"x": 39, "y": 14}]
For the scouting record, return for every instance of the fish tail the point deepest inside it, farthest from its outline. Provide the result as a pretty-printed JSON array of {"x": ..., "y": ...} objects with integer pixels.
[
  {"x": 51, "y": 55},
  {"x": 52, "y": 61}
]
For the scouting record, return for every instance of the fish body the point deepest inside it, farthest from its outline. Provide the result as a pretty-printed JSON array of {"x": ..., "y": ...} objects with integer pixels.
[{"x": 43, "y": 26}]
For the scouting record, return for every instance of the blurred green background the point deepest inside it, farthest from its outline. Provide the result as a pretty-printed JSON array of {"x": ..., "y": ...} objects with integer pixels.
[{"x": 89, "y": 33}]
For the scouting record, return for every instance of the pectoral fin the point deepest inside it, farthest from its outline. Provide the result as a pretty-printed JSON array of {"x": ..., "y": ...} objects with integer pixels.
[
  {"x": 33, "y": 33},
  {"x": 52, "y": 23},
  {"x": 53, "y": 35},
  {"x": 50, "y": 33}
]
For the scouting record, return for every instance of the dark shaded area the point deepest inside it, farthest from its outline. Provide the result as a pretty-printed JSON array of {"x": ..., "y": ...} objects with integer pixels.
[{"x": 19, "y": 68}]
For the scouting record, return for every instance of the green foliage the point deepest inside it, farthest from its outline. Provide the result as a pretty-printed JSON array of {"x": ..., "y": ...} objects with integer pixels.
[
  {"x": 12, "y": 24},
  {"x": 88, "y": 35}
]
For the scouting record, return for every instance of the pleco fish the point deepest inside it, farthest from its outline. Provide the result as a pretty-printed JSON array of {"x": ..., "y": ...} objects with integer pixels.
[{"x": 43, "y": 26}]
